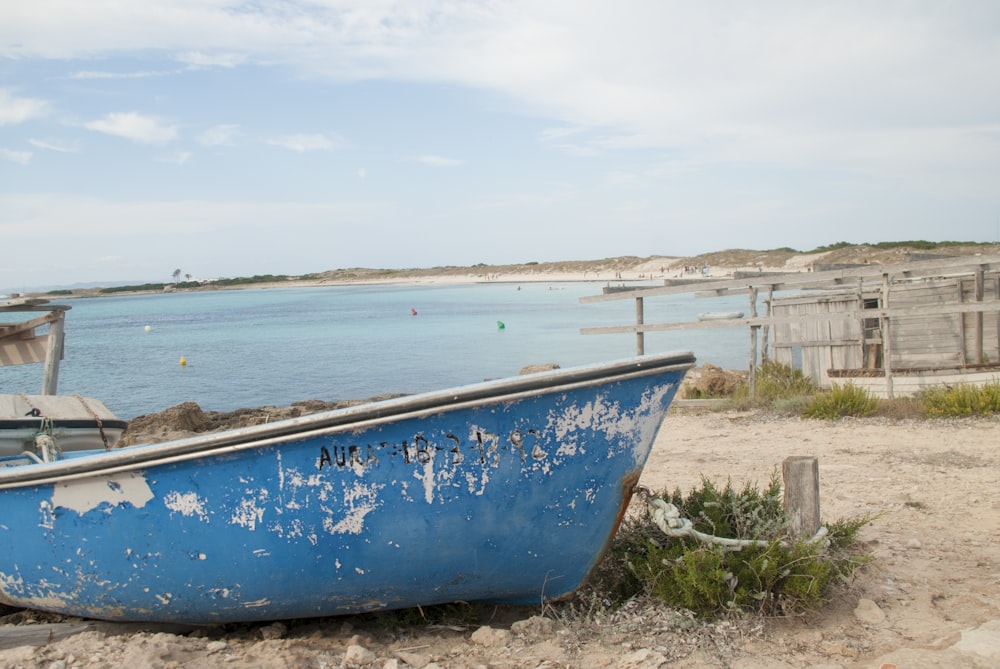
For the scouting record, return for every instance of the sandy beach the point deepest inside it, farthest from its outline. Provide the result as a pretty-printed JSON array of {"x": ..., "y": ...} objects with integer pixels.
[{"x": 930, "y": 598}]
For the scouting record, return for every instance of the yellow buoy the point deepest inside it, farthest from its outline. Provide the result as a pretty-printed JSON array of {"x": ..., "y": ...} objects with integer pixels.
[
  {"x": 148, "y": 329},
  {"x": 183, "y": 361}
]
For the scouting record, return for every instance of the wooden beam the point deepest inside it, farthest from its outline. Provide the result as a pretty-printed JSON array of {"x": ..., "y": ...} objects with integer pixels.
[
  {"x": 53, "y": 355},
  {"x": 640, "y": 340},
  {"x": 979, "y": 316},
  {"x": 901, "y": 312},
  {"x": 800, "y": 280},
  {"x": 886, "y": 336}
]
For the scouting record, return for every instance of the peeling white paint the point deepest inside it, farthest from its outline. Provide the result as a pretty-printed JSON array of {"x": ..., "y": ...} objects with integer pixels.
[
  {"x": 359, "y": 500},
  {"x": 247, "y": 513},
  {"x": 426, "y": 475},
  {"x": 187, "y": 504},
  {"x": 257, "y": 603},
  {"x": 90, "y": 493}
]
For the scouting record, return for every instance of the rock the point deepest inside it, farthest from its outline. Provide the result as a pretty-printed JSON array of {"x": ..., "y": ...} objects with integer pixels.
[
  {"x": 415, "y": 660},
  {"x": 869, "y": 613},
  {"x": 183, "y": 418},
  {"x": 642, "y": 659},
  {"x": 983, "y": 641},
  {"x": 712, "y": 381},
  {"x": 544, "y": 367},
  {"x": 358, "y": 656},
  {"x": 273, "y": 631},
  {"x": 535, "y": 627},
  {"x": 490, "y": 638},
  {"x": 216, "y": 647}
]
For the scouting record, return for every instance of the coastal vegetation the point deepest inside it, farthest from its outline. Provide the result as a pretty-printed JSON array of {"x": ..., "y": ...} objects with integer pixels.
[
  {"x": 257, "y": 279},
  {"x": 773, "y": 573},
  {"x": 786, "y": 390},
  {"x": 777, "y": 258}
]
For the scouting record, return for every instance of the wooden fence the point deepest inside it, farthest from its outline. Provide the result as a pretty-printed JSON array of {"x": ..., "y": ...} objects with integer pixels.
[{"x": 927, "y": 314}]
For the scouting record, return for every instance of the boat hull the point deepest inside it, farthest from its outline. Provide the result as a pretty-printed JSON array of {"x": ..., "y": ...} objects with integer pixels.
[
  {"x": 75, "y": 423},
  {"x": 505, "y": 492}
]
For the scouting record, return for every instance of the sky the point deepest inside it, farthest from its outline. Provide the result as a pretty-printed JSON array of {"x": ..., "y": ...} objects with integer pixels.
[{"x": 227, "y": 138}]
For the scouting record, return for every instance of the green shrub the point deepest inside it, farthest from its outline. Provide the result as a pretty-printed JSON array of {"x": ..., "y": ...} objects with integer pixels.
[
  {"x": 775, "y": 383},
  {"x": 961, "y": 400},
  {"x": 840, "y": 401},
  {"x": 777, "y": 576}
]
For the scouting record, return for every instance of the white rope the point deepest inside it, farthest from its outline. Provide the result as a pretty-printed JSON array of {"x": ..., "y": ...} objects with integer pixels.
[{"x": 668, "y": 518}]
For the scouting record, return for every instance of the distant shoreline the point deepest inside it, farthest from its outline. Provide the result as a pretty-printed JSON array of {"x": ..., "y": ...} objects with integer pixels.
[{"x": 627, "y": 270}]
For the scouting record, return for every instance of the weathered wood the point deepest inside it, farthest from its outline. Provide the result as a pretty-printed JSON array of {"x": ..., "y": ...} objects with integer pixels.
[
  {"x": 800, "y": 474},
  {"x": 53, "y": 355},
  {"x": 979, "y": 316},
  {"x": 886, "y": 336},
  {"x": 909, "y": 312},
  {"x": 800, "y": 280},
  {"x": 765, "y": 350},
  {"x": 13, "y": 636},
  {"x": 921, "y": 313},
  {"x": 39, "y": 635},
  {"x": 640, "y": 338},
  {"x": 752, "y": 382}
]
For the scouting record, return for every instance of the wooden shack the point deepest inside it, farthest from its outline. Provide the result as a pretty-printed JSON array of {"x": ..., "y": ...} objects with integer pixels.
[
  {"x": 853, "y": 336},
  {"x": 891, "y": 329}
]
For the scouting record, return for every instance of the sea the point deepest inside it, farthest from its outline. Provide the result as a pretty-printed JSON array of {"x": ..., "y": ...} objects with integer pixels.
[{"x": 234, "y": 349}]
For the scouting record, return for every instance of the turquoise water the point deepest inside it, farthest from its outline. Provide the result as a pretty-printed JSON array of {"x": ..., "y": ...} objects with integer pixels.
[{"x": 249, "y": 348}]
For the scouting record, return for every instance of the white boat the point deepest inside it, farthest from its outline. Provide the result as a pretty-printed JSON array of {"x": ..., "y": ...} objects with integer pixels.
[
  {"x": 47, "y": 424},
  {"x": 719, "y": 315},
  {"x": 74, "y": 422}
]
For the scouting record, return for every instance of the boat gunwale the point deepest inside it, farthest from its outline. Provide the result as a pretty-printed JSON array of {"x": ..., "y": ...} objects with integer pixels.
[
  {"x": 342, "y": 420},
  {"x": 62, "y": 423}
]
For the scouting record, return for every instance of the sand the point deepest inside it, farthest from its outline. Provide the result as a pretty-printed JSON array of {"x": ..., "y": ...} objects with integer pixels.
[{"x": 930, "y": 598}]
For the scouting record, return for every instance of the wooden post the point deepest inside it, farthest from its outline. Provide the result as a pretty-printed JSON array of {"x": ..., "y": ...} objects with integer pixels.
[
  {"x": 886, "y": 339},
  {"x": 860, "y": 288},
  {"x": 963, "y": 347},
  {"x": 640, "y": 340},
  {"x": 979, "y": 315},
  {"x": 752, "y": 381},
  {"x": 996, "y": 298},
  {"x": 53, "y": 353},
  {"x": 765, "y": 344},
  {"x": 801, "y": 476}
]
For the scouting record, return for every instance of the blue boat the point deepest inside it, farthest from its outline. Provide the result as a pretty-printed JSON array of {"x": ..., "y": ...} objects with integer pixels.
[{"x": 506, "y": 491}]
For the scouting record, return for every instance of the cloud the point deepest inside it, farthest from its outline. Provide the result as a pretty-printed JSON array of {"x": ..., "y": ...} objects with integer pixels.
[
  {"x": 645, "y": 74},
  {"x": 301, "y": 143},
  {"x": 220, "y": 135},
  {"x": 20, "y": 157},
  {"x": 146, "y": 74},
  {"x": 59, "y": 147},
  {"x": 134, "y": 126},
  {"x": 438, "y": 161},
  {"x": 177, "y": 157},
  {"x": 199, "y": 59},
  {"x": 14, "y": 109}
]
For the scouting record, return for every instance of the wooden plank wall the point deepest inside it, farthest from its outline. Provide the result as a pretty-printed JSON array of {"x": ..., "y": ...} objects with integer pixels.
[
  {"x": 824, "y": 343},
  {"x": 930, "y": 340}
]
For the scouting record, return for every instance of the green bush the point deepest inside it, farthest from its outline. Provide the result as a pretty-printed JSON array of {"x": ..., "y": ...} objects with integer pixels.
[
  {"x": 778, "y": 576},
  {"x": 846, "y": 400},
  {"x": 775, "y": 384},
  {"x": 961, "y": 400}
]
